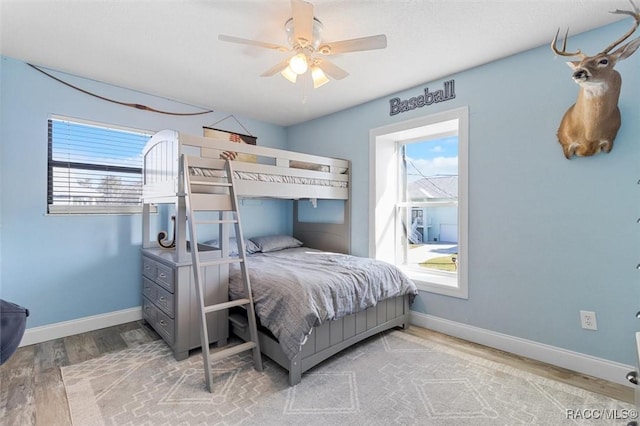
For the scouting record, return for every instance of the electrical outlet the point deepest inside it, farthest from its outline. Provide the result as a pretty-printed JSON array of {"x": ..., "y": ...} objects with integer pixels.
[{"x": 588, "y": 320}]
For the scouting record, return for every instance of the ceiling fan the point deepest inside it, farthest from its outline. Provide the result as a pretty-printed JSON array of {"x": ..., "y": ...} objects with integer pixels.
[{"x": 304, "y": 34}]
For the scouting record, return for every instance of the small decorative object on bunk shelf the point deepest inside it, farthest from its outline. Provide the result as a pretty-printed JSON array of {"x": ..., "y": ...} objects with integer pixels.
[
  {"x": 162, "y": 236},
  {"x": 13, "y": 320}
]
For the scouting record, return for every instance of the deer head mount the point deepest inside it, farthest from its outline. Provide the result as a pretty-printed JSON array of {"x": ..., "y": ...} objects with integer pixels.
[{"x": 592, "y": 123}]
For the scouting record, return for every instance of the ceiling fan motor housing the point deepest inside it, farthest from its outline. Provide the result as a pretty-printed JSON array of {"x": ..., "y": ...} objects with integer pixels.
[{"x": 318, "y": 28}]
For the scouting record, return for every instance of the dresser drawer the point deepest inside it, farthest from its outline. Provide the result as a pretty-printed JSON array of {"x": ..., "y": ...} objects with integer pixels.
[
  {"x": 149, "y": 311},
  {"x": 164, "y": 327},
  {"x": 164, "y": 276},
  {"x": 160, "y": 322},
  {"x": 149, "y": 268},
  {"x": 164, "y": 301},
  {"x": 149, "y": 289}
]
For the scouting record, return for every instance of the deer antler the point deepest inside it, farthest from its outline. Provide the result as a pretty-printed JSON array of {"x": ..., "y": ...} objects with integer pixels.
[
  {"x": 636, "y": 15},
  {"x": 564, "y": 52}
]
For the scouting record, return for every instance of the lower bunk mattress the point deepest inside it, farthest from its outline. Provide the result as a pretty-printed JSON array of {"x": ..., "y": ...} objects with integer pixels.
[{"x": 297, "y": 289}]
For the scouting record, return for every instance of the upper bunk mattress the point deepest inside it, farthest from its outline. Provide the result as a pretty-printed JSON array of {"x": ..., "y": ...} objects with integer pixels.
[{"x": 269, "y": 177}]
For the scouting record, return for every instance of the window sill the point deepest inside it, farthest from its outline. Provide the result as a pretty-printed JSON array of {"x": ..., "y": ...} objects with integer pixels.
[
  {"x": 58, "y": 210},
  {"x": 446, "y": 284}
]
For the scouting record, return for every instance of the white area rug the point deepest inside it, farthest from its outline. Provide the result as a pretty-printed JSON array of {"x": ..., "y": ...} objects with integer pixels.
[{"x": 393, "y": 378}]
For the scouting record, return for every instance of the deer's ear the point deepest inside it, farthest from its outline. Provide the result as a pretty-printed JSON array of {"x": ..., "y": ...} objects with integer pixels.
[
  {"x": 627, "y": 50},
  {"x": 573, "y": 64}
]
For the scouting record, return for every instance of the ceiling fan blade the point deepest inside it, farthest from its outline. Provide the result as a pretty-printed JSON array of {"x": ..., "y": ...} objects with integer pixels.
[
  {"x": 302, "y": 21},
  {"x": 357, "y": 44},
  {"x": 275, "y": 69},
  {"x": 257, "y": 43},
  {"x": 331, "y": 69}
]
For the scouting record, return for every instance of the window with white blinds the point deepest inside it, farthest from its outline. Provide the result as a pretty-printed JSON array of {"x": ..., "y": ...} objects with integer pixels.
[{"x": 94, "y": 168}]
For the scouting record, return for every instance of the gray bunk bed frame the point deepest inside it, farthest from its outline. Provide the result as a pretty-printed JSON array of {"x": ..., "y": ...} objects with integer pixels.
[{"x": 329, "y": 338}]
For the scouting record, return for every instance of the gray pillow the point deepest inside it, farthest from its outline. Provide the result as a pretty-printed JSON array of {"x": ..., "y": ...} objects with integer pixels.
[
  {"x": 275, "y": 242},
  {"x": 249, "y": 246}
]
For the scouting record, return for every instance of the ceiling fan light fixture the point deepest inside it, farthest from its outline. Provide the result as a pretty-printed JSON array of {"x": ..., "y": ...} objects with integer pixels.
[
  {"x": 299, "y": 63},
  {"x": 289, "y": 74},
  {"x": 318, "y": 76}
]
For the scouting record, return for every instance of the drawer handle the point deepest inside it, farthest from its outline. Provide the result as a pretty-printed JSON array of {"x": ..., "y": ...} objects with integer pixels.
[
  {"x": 163, "y": 275},
  {"x": 638, "y": 314},
  {"x": 162, "y": 299},
  {"x": 162, "y": 323},
  {"x": 632, "y": 376},
  {"x": 146, "y": 308}
]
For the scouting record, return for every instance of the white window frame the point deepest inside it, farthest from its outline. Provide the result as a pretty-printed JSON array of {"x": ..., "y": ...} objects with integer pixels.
[
  {"x": 385, "y": 233},
  {"x": 53, "y": 209}
]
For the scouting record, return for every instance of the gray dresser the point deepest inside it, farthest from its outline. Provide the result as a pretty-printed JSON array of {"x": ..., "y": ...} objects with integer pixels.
[{"x": 169, "y": 302}]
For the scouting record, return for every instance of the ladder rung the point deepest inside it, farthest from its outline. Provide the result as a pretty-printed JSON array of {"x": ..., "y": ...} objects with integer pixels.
[
  {"x": 226, "y": 305},
  {"x": 209, "y": 183},
  {"x": 223, "y": 261},
  {"x": 224, "y": 353}
]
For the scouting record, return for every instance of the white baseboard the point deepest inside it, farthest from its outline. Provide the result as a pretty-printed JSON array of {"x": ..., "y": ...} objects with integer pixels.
[
  {"x": 575, "y": 361},
  {"x": 82, "y": 325}
]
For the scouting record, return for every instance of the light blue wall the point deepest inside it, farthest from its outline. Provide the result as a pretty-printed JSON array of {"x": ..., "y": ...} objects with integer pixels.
[
  {"x": 547, "y": 237},
  {"x": 68, "y": 267}
]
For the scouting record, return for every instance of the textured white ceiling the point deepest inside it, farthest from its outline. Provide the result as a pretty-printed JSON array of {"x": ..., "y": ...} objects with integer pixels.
[{"x": 170, "y": 48}]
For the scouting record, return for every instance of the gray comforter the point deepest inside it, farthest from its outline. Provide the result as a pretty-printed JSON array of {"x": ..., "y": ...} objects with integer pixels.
[{"x": 297, "y": 289}]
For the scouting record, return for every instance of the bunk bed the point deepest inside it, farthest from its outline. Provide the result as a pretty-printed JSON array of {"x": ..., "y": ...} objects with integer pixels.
[{"x": 275, "y": 174}]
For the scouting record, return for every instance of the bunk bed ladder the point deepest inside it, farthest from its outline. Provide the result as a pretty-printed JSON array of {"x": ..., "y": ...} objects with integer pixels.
[{"x": 225, "y": 203}]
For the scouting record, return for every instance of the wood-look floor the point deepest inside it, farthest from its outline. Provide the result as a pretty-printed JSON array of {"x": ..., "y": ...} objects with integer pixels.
[{"x": 32, "y": 392}]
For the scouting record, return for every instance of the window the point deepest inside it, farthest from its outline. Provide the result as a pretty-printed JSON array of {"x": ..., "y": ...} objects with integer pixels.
[
  {"x": 94, "y": 168},
  {"x": 419, "y": 199}
]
